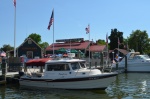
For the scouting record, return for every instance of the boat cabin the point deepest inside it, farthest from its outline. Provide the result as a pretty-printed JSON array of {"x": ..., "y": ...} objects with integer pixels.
[
  {"x": 60, "y": 68},
  {"x": 64, "y": 65}
]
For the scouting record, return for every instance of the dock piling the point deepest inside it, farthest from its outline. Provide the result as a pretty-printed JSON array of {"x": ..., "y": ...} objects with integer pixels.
[
  {"x": 4, "y": 70},
  {"x": 126, "y": 67},
  {"x": 117, "y": 66}
]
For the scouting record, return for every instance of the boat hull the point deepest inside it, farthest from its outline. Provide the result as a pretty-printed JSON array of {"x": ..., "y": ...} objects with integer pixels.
[
  {"x": 92, "y": 82},
  {"x": 136, "y": 67}
]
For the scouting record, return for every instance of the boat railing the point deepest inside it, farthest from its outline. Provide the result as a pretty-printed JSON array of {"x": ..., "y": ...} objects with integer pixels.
[{"x": 34, "y": 74}]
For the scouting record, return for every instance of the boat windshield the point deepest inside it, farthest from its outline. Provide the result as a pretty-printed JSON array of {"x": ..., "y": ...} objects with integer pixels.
[
  {"x": 141, "y": 57},
  {"x": 75, "y": 65},
  {"x": 145, "y": 56},
  {"x": 58, "y": 67},
  {"x": 83, "y": 64}
]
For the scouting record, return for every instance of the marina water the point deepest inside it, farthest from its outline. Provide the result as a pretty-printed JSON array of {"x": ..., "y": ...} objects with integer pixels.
[{"x": 126, "y": 86}]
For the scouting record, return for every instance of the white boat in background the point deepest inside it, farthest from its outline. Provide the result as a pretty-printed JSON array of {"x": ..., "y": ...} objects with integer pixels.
[
  {"x": 67, "y": 73},
  {"x": 135, "y": 63}
]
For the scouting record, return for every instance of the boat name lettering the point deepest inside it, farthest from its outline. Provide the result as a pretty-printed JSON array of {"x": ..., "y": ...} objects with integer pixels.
[
  {"x": 93, "y": 78},
  {"x": 62, "y": 74}
]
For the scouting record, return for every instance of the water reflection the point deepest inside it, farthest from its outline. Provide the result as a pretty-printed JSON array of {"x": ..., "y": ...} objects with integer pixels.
[
  {"x": 126, "y": 86},
  {"x": 130, "y": 86},
  {"x": 17, "y": 92}
]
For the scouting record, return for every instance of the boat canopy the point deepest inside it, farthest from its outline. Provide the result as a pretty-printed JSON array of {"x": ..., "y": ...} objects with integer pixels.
[{"x": 37, "y": 62}]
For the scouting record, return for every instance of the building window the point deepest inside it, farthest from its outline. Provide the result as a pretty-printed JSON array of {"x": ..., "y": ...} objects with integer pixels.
[
  {"x": 29, "y": 54},
  {"x": 29, "y": 42}
]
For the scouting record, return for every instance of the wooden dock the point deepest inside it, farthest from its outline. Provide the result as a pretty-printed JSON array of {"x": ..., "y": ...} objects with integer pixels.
[{"x": 11, "y": 77}]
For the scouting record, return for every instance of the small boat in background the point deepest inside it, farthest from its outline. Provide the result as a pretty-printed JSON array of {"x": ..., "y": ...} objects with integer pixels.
[
  {"x": 67, "y": 73},
  {"x": 135, "y": 63}
]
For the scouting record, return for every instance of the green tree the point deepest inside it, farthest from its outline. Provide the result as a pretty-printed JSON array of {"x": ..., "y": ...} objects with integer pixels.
[
  {"x": 101, "y": 42},
  {"x": 44, "y": 45},
  {"x": 139, "y": 41},
  {"x": 125, "y": 43},
  {"x": 35, "y": 37},
  {"x": 115, "y": 34},
  {"x": 7, "y": 47}
]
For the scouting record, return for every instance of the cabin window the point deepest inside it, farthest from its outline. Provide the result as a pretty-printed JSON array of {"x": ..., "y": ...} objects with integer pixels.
[
  {"x": 58, "y": 67},
  {"x": 75, "y": 66}
]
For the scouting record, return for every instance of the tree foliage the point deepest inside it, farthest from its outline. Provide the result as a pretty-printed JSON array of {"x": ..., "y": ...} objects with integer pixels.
[
  {"x": 139, "y": 41},
  {"x": 35, "y": 37},
  {"x": 7, "y": 47},
  {"x": 115, "y": 34},
  {"x": 44, "y": 45},
  {"x": 101, "y": 42},
  {"x": 125, "y": 43}
]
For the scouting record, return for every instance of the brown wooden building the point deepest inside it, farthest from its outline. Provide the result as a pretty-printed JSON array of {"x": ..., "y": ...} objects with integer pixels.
[{"x": 78, "y": 44}]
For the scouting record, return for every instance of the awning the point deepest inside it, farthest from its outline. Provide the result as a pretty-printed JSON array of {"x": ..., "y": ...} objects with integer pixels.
[
  {"x": 61, "y": 50},
  {"x": 37, "y": 62}
]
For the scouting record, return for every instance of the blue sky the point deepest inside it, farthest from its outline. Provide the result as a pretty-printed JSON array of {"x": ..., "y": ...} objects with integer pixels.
[{"x": 70, "y": 18}]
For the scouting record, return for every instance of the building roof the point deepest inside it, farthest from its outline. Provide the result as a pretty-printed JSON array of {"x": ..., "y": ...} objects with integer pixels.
[
  {"x": 97, "y": 48},
  {"x": 122, "y": 51},
  {"x": 73, "y": 45},
  {"x": 12, "y": 51},
  {"x": 26, "y": 41}
]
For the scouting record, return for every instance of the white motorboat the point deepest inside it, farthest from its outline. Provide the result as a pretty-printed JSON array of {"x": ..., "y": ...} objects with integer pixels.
[
  {"x": 67, "y": 73},
  {"x": 135, "y": 63}
]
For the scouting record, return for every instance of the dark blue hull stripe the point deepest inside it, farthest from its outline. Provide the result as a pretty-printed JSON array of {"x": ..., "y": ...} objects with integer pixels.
[{"x": 71, "y": 79}]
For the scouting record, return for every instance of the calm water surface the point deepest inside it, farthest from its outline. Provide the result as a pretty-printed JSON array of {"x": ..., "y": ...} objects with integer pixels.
[{"x": 127, "y": 86}]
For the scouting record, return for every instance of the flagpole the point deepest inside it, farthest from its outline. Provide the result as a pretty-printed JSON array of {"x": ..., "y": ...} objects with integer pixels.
[
  {"x": 53, "y": 31},
  {"x": 51, "y": 22},
  {"x": 70, "y": 44},
  {"x": 118, "y": 48},
  {"x": 87, "y": 29},
  {"x": 107, "y": 49},
  {"x": 15, "y": 31},
  {"x": 127, "y": 44},
  {"x": 89, "y": 44}
]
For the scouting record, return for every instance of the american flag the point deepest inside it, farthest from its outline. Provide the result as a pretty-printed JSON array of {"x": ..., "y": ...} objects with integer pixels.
[
  {"x": 2, "y": 53},
  {"x": 51, "y": 20},
  {"x": 87, "y": 29},
  {"x": 15, "y": 3}
]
